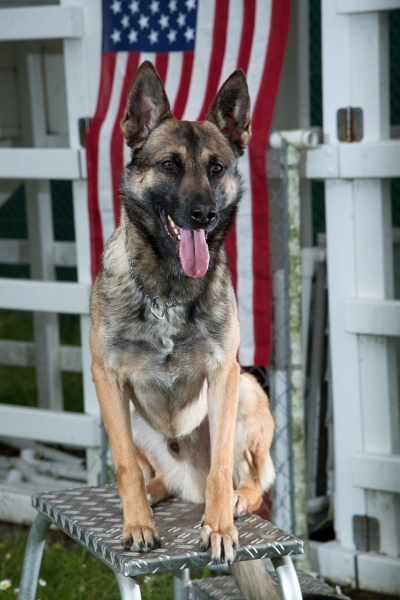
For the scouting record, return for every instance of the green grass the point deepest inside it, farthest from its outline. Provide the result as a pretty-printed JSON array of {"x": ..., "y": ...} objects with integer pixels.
[
  {"x": 18, "y": 384},
  {"x": 72, "y": 573}
]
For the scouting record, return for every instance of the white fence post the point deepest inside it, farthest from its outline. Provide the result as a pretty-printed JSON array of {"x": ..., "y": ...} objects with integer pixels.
[
  {"x": 82, "y": 72},
  {"x": 359, "y": 252},
  {"x": 40, "y": 231}
]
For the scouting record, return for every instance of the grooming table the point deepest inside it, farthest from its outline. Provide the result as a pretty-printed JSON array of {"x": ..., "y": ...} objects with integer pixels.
[{"x": 93, "y": 517}]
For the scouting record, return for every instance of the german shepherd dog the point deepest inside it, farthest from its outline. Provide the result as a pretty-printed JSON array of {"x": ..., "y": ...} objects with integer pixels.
[{"x": 181, "y": 418}]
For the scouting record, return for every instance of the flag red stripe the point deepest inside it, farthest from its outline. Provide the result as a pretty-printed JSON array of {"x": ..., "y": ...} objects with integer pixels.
[
  {"x": 92, "y": 155},
  {"x": 217, "y": 54},
  {"x": 184, "y": 84},
  {"x": 246, "y": 39},
  {"x": 117, "y": 139},
  {"x": 161, "y": 65},
  {"x": 249, "y": 19},
  {"x": 262, "y": 116}
]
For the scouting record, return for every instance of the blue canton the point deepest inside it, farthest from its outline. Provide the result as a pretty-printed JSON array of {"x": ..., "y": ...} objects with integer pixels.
[{"x": 149, "y": 25}]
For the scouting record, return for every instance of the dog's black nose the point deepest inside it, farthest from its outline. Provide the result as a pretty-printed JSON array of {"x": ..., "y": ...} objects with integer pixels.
[{"x": 203, "y": 214}]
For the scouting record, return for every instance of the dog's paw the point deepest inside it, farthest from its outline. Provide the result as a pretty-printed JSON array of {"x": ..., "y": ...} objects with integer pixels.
[
  {"x": 223, "y": 542},
  {"x": 141, "y": 538},
  {"x": 150, "y": 499},
  {"x": 240, "y": 505}
]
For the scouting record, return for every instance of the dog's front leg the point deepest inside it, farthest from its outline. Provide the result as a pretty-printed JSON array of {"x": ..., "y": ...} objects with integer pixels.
[
  {"x": 218, "y": 529},
  {"x": 139, "y": 530}
]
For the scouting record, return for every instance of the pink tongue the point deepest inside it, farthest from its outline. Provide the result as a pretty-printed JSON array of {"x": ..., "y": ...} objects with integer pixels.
[{"x": 193, "y": 252}]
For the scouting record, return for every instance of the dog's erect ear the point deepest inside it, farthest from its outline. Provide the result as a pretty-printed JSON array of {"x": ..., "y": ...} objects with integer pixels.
[
  {"x": 230, "y": 110},
  {"x": 146, "y": 107}
]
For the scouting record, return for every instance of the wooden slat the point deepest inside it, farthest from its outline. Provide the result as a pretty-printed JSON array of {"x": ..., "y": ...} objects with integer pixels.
[
  {"x": 354, "y": 161},
  {"x": 54, "y": 427},
  {"x": 351, "y": 7},
  {"x": 373, "y": 317},
  {"x": 22, "y": 354},
  {"x": 41, "y": 23},
  {"x": 376, "y": 472},
  {"x": 17, "y": 252},
  {"x": 40, "y": 163},
  {"x": 49, "y": 296}
]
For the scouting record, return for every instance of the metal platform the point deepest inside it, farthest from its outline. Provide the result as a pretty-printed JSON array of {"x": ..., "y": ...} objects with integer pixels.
[{"x": 93, "y": 518}]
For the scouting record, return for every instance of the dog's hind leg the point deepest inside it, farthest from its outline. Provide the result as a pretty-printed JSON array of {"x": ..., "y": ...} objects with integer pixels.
[
  {"x": 139, "y": 530},
  {"x": 157, "y": 490},
  {"x": 248, "y": 494},
  {"x": 147, "y": 468},
  {"x": 253, "y": 469}
]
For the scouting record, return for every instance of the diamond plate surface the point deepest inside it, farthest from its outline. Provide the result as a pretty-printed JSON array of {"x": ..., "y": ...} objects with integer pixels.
[
  {"x": 93, "y": 517},
  {"x": 225, "y": 588}
]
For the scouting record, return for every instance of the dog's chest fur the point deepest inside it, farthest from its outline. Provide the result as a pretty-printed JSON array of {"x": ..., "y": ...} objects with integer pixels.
[{"x": 165, "y": 363}]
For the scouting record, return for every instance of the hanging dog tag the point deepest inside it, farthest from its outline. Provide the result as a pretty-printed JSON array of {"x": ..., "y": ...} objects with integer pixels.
[{"x": 156, "y": 309}]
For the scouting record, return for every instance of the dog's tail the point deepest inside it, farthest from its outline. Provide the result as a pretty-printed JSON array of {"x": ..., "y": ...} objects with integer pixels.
[{"x": 254, "y": 581}]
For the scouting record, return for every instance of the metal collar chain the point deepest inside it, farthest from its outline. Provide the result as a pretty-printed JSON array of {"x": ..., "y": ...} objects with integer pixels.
[{"x": 157, "y": 309}]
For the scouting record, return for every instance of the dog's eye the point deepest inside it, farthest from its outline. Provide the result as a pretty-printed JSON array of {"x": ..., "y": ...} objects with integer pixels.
[
  {"x": 168, "y": 164},
  {"x": 216, "y": 168}
]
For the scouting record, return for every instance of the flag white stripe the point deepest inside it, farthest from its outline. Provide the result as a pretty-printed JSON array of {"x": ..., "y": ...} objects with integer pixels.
[
  {"x": 173, "y": 77},
  {"x": 202, "y": 55},
  {"x": 244, "y": 249},
  {"x": 104, "y": 173},
  {"x": 259, "y": 47},
  {"x": 244, "y": 226},
  {"x": 234, "y": 32},
  {"x": 151, "y": 56}
]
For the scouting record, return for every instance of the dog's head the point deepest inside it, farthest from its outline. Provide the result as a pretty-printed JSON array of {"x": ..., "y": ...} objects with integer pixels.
[{"x": 184, "y": 173}]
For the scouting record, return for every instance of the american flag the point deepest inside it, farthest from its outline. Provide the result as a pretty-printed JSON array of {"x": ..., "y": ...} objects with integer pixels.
[{"x": 195, "y": 45}]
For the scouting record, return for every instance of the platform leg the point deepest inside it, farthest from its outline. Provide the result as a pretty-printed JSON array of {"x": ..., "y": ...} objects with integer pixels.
[
  {"x": 128, "y": 587},
  {"x": 33, "y": 558},
  {"x": 181, "y": 584},
  {"x": 287, "y": 578}
]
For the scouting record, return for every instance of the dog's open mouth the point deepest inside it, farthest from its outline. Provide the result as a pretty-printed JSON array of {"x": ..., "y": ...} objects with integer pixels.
[{"x": 191, "y": 247}]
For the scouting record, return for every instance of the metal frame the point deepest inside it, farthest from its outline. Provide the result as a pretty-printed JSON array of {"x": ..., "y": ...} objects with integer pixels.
[{"x": 128, "y": 587}]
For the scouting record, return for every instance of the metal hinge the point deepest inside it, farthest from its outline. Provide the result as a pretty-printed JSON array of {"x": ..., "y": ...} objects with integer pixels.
[
  {"x": 84, "y": 125},
  {"x": 350, "y": 124},
  {"x": 366, "y": 533}
]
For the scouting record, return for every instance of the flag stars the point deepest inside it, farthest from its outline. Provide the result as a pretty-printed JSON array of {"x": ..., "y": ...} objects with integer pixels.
[
  {"x": 154, "y": 7},
  {"x": 189, "y": 34},
  {"x": 172, "y": 5},
  {"x": 143, "y": 22},
  {"x": 153, "y": 37},
  {"x": 134, "y": 6},
  {"x": 181, "y": 20},
  {"x": 133, "y": 36},
  {"x": 116, "y": 6},
  {"x": 163, "y": 21},
  {"x": 125, "y": 21},
  {"x": 116, "y": 36},
  {"x": 171, "y": 35},
  {"x": 190, "y": 5}
]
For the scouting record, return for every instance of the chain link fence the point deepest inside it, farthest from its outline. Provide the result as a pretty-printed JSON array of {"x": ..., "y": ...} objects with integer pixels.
[{"x": 279, "y": 367}]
